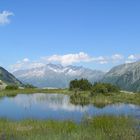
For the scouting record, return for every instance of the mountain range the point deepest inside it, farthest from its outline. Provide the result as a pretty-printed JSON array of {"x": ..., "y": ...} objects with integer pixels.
[
  {"x": 126, "y": 76},
  {"x": 57, "y": 76}
]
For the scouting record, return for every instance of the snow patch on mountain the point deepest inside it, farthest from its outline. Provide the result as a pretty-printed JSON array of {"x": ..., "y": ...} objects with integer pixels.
[{"x": 53, "y": 75}]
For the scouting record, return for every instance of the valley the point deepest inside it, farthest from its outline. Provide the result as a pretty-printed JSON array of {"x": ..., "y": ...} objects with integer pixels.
[
  {"x": 76, "y": 97},
  {"x": 70, "y": 70}
]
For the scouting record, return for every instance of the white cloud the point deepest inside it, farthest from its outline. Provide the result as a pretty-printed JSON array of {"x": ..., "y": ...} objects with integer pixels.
[
  {"x": 132, "y": 57},
  {"x": 69, "y": 59},
  {"x": 26, "y": 60},
  {"x": 4, "y": 17},
  {"x": 103, "y": 62},
  {"x": 117, "y": 57},
  {"x": 72, "y": 59},
  {"x": 100, "y": 60},
  {"x": 25, "y": 64}
]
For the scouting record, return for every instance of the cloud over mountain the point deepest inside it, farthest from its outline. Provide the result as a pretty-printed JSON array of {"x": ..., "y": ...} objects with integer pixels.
[{"x": 70, "y": 59}]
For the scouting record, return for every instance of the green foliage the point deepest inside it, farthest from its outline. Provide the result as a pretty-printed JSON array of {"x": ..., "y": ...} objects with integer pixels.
[
  {"x": 29, "y": 86},
  {"x": 104, "y": 88},
  {"x": 32, "y": 91},
  {"x": 97, "y": 128},
  {"x": 99, "y": 88},
  {"x": 82, "y": 84},
  {"x": 11, "y": 87}
]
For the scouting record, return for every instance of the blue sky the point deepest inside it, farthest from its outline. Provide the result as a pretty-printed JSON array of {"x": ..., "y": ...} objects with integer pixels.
[{"x": 98, "y": 34}]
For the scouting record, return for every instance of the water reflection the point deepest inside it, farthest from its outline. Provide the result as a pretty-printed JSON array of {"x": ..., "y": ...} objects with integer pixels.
[
  {"x": 57, "y": 106},
  {"x": 48, "y": 101}
]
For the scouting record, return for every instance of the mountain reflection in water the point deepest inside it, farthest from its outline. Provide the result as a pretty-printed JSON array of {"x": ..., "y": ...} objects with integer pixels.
[{"x": 58, "y": 107}]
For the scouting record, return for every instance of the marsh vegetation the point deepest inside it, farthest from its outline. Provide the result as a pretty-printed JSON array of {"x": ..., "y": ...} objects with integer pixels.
[
  {"x": 98, "y": 128},
  {"x": 100, "y": 94}
]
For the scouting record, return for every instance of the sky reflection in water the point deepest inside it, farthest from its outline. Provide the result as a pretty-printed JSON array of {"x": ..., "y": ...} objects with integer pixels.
[{"x": 58, "y": 107}]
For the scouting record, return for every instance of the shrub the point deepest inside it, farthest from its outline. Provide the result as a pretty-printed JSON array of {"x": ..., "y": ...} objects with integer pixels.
[
  {"x": 29, "y": 86},
  {"x": 99, "y": 88},
  {"x": 82, "y": 84},
  {"x": 11, "y": 87},
  {"x": 104, "y": 88}
]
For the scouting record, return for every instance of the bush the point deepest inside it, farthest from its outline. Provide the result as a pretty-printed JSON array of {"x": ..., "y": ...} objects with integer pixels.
[
  {"x": 99, "y": 88},
  {"x": 104, "y": 88},
  {"x": 11, "y": 87},
  {"x": 29, "y": 86},
  {"x": 111, "y": 88},
  {"x": 82, "y": 84}
]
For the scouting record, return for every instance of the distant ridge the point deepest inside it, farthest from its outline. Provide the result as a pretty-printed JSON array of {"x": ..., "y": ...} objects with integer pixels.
[
  {"x": 57, "y": 76},
  {"x": 8, "y": 78},
  {"x": 126, "y": 76}
]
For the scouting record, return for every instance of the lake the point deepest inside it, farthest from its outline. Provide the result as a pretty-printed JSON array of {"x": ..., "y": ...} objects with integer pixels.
[{"x": 58, "y": 107}]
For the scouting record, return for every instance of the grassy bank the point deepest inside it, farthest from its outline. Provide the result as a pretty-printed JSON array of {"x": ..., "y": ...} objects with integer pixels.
[
  {"x": 82, "y": 97},
  {"x": 98, "y": 128},
  {"x": 101, "y": 100},
  {"x": 31, "y": 91}
]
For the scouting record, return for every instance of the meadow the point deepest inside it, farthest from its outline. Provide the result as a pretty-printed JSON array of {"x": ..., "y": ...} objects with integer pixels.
[{"x": 97, "y": 128}]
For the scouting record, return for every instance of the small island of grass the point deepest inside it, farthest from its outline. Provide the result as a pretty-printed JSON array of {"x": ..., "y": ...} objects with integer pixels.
[{"x": 100, "y": 94}]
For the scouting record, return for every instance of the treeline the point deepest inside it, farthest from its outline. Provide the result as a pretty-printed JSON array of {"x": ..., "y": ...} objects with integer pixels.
[
  {"x": 84, "y": 85},
  {"x": 15, "y": 87}
]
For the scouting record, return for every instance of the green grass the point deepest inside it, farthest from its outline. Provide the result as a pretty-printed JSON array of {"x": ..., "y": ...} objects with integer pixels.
[
  {"x": 82, "y": 97},
  {"x": 101, "y": 100},
  {"x": 31, "y": 91},
  {"x": 98, "y": 128}
]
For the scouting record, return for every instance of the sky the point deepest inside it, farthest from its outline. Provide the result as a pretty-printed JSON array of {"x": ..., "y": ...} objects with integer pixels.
[{"x": 97, "y": 34}]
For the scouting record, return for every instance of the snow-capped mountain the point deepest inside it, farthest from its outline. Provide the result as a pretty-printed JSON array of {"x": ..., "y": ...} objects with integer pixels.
[{"x": 53, "y": 75}]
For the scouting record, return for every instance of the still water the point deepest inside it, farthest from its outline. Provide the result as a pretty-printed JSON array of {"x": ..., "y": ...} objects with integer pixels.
[{"x": 57, "y": 107}]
